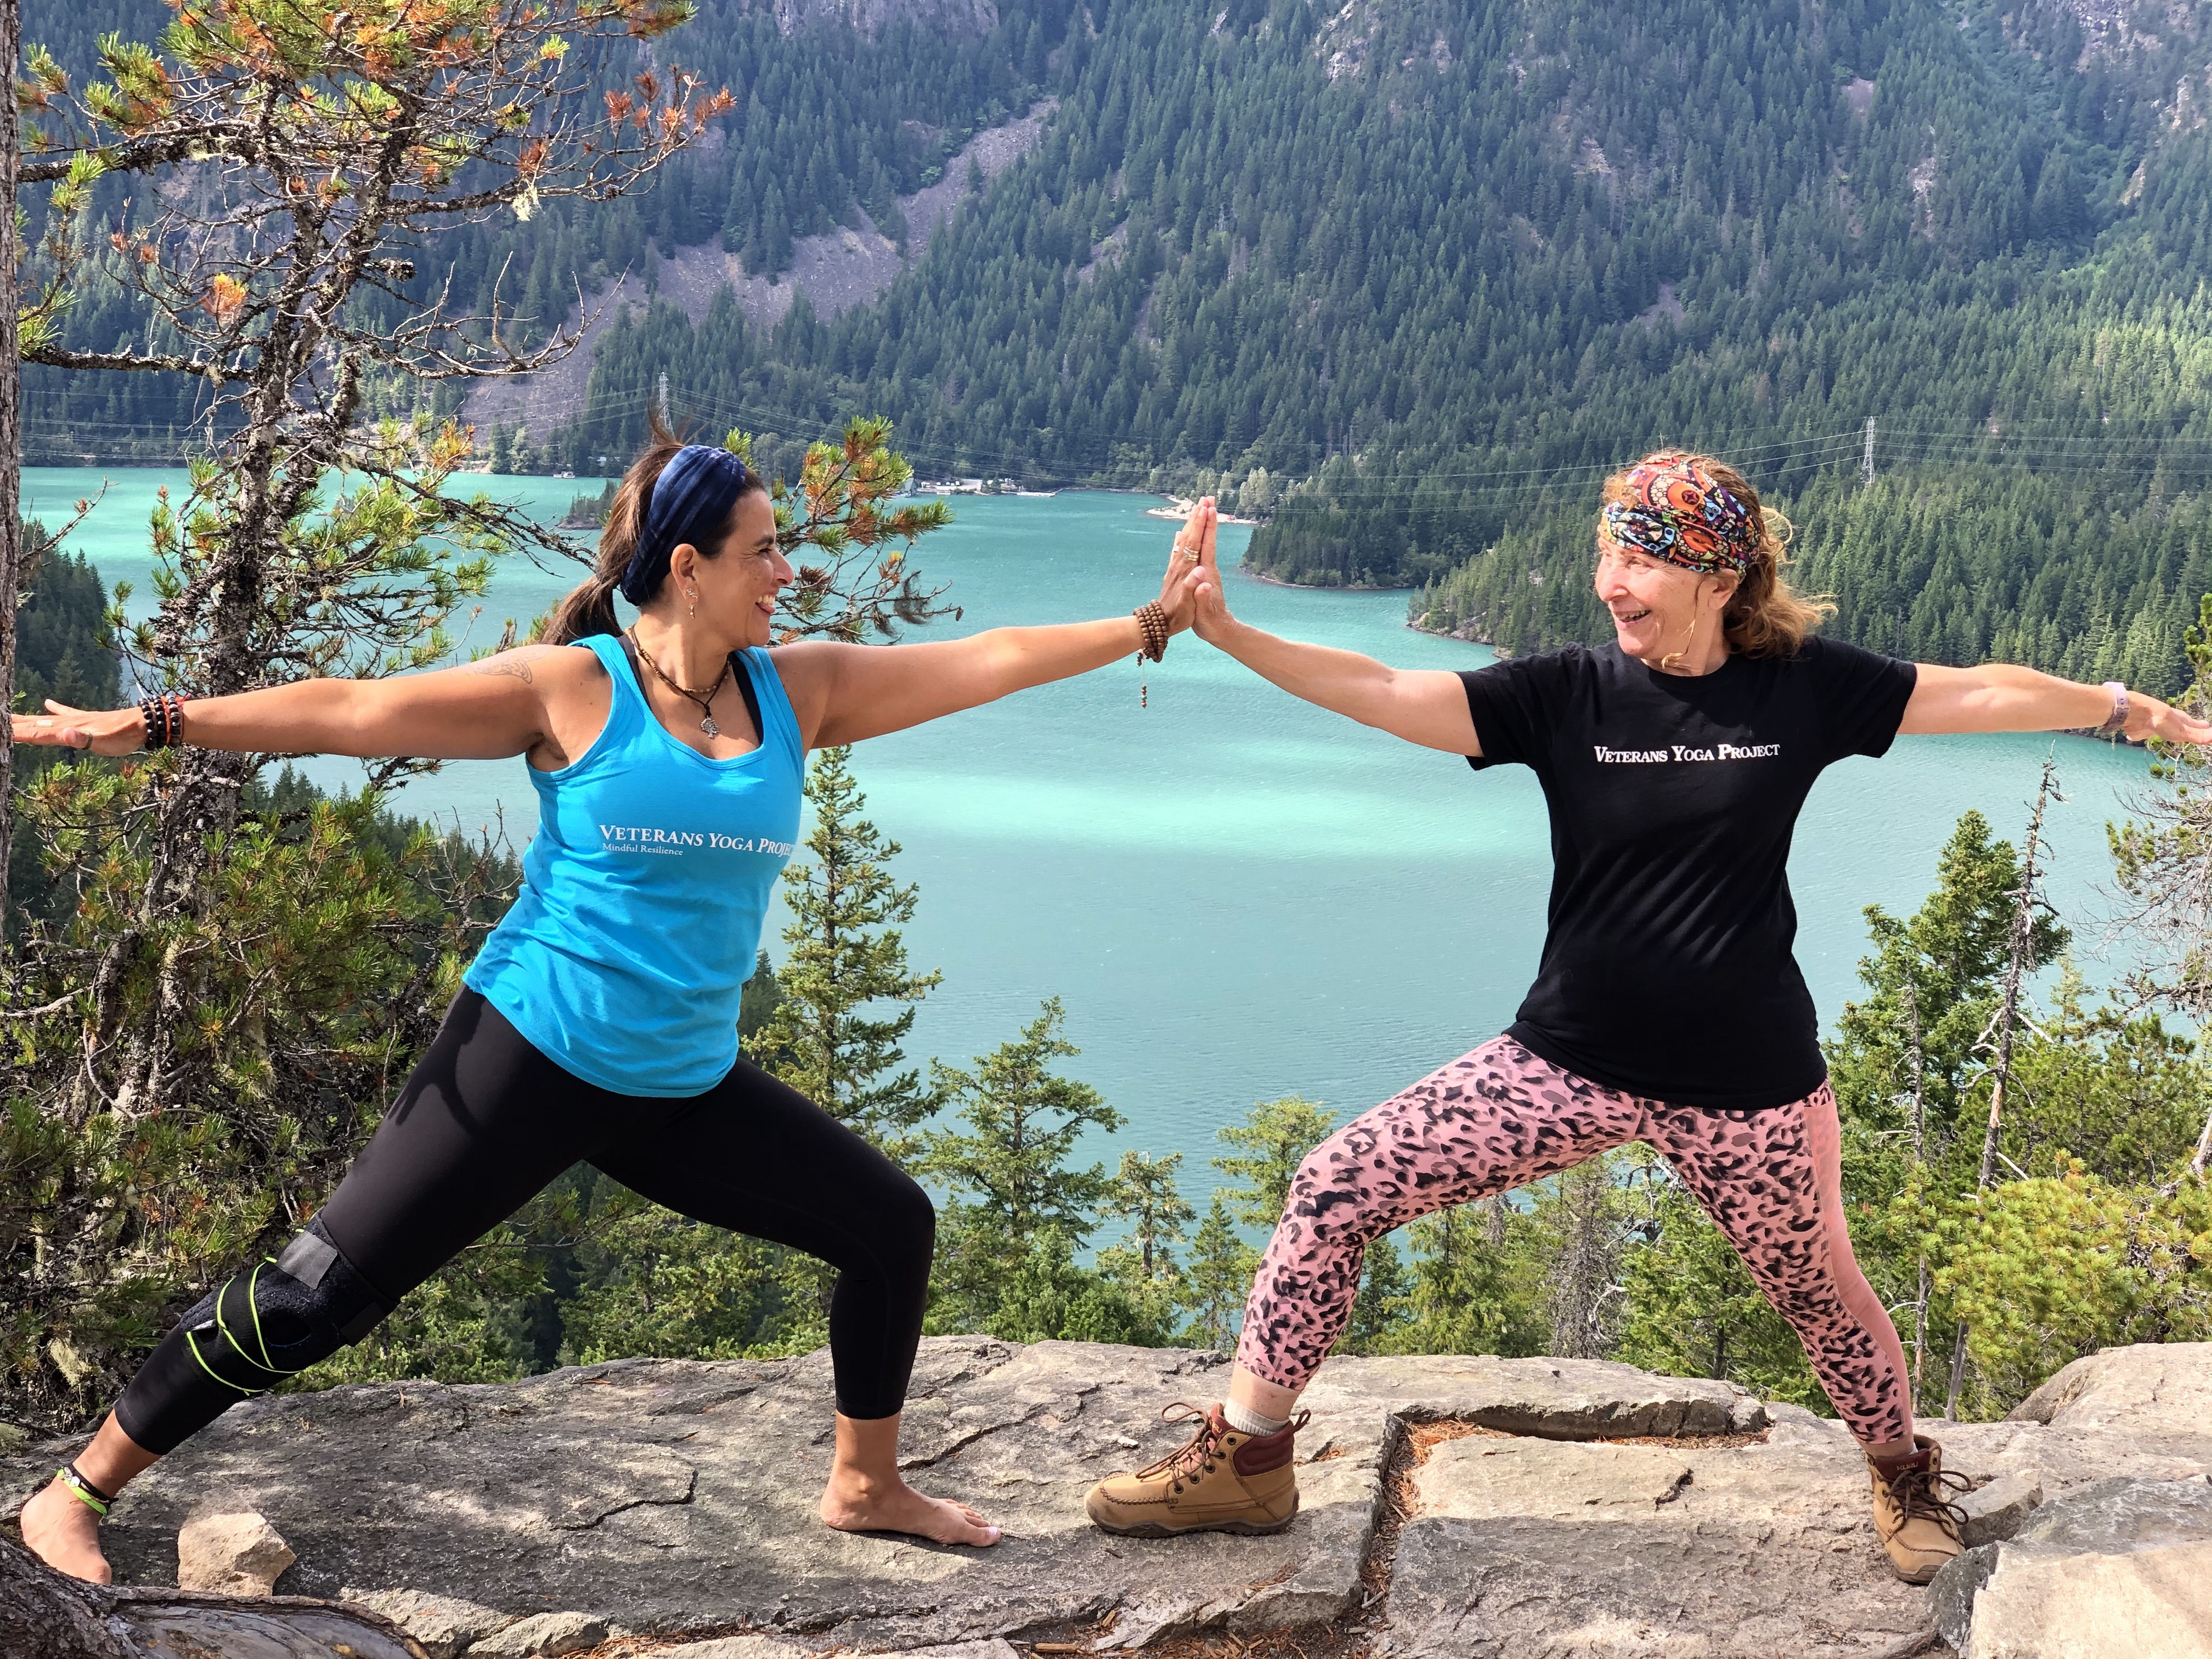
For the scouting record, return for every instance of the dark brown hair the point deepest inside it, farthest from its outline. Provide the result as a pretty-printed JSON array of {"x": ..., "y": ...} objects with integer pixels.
[
  {"x": 589, "y": 608},
  {"x": 1765, "y": 616}
]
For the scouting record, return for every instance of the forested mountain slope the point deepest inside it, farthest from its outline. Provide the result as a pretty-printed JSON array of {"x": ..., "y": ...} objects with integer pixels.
[
  {"x": 1435, "y": 266},
  {"x": 842, "y": 106},
  {"x": 1533, "y": 227}
]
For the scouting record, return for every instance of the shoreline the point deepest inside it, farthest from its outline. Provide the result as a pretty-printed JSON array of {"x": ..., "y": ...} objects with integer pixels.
[
  {"x": 1178, "y": 509},
  {"x": 1246, "y": 568}
]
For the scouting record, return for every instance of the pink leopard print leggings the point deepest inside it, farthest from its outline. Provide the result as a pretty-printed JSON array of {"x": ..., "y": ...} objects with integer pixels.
[{"x": 1501, "y": 1117}]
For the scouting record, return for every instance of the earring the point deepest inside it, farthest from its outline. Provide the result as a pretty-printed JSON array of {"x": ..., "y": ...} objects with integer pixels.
[{"x": 693, "y": 596}]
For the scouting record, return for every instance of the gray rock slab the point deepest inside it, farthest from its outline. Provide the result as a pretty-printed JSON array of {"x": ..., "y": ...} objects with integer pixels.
[
  {"x": 2081, "y": 1547},
  {"x": 543, "y": 1636},
  {"x": 2145, "y": 1410},
  {"x": 1951, "y": 1595},
  {"x": 2149, "y": 1387},
  {"x": 2151, "y": 1603},
  {"x": 2111, "y": 1516},
  {"x": 444, "y": 1624},
  {"x": 279, "y": 1628},
  {"x": 231, "y": 1552},
  {"x": 1551, "y": 1398},
  {"x": 676, "y": 1496},
  {"x": 676, "y": 1499},
  {"x": 1995, "y": 1512},
  {"x": 1525, "y": 1546},
  {"x": 749, "y": 1646}
]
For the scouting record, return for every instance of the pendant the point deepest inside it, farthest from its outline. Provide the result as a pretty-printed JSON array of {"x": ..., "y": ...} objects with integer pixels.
[{"x": 709, "y": 727}]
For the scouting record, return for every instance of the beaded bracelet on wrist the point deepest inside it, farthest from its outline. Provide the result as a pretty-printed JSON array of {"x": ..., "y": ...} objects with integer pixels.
[
  {"x": 1153, "y": 621},
  {"x": 164, "y": 719}
]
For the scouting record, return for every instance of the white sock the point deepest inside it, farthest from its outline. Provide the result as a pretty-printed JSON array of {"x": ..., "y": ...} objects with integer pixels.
[{"x": 1245, "y": 1420}]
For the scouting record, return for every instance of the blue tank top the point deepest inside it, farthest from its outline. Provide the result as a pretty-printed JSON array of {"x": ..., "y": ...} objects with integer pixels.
[{"x": 643, "y": 895}]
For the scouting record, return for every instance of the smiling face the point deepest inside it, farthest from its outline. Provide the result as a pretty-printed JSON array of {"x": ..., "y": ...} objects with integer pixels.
[
  {"x": 737, "y": 589},
  {"x": 1663, "y": 615}
]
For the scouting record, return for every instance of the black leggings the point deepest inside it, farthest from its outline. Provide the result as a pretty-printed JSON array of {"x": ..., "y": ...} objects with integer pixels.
[{"x": 484, "y": 1122}]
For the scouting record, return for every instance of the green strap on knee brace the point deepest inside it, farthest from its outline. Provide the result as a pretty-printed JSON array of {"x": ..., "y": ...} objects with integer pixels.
[{"x": 231, "y": 1344}]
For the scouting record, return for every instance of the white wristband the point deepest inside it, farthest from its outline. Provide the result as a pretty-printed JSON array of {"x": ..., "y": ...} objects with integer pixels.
[{"x": 2117, "y": 720}]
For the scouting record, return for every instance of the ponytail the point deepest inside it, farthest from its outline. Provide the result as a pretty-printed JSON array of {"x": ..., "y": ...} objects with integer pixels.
[{"x": 589, "y": 608}]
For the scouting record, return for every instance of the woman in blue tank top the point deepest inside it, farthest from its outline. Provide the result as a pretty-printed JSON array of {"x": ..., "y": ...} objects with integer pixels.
[{"x": 599, "y": 1021}]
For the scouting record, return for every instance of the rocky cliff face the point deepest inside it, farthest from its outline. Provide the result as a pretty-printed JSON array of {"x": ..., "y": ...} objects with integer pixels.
[
  {"x": 1462, "y": 1506},
  {"x": 836, "y": 270}
]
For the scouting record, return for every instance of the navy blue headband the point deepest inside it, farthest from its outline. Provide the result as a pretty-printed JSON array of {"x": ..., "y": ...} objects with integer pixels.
[{"x": 690, "y": 502}]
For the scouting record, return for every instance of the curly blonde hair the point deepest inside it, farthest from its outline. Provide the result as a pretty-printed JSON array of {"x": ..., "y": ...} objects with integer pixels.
[{"x": 1765, "y": 616}]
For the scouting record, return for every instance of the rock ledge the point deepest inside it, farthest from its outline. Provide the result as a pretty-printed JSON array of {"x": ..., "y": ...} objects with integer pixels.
[{"x": 1562, "y": 1507}]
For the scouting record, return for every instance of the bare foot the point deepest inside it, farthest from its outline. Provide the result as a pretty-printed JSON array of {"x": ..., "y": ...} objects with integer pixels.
[
  {"x": 857, "y": 1507},
  {"x": 60, "y": 1529}
]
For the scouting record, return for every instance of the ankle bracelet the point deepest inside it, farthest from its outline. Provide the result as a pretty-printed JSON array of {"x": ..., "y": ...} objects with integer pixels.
[{"x": 85, "y": 1491}]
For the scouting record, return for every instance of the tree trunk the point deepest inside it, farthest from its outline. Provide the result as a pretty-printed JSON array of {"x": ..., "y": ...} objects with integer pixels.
[
  {"x": 1583, "y": 1272},
  {"x": 11, "y": 449},
  {"x": 43, "y": 1613},
  {"x": 2023, "y": 945}
]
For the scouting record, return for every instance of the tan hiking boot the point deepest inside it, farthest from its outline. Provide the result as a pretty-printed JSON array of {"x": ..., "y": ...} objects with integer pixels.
[
  {"x": 1225, "y": 1480},
  {"x": 1918, "y": 1525}
]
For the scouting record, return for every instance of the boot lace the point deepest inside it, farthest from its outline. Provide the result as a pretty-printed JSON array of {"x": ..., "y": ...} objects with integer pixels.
[
  {"x": 1195, "y": 1456},
  {"x": 1918, "y": 1492}
]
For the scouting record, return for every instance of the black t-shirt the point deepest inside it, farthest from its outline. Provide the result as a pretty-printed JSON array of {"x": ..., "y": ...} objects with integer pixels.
[{"x": 1667, "y": 971}]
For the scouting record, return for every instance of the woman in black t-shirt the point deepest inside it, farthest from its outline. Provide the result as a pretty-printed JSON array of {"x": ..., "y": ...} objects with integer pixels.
[{"x": 1667, "y": 1007}]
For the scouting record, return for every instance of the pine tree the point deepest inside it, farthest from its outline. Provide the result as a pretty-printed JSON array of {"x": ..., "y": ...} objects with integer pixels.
[
  {"x": 1693, "y": 1310},
  {"x": 1582, "y": 1217},
  {"x": 1217, "y": 1280},
  {"x": 1145, "y": 1195},
  {"x": 845, "y": 955},
  {"x": 758, "y": 1003},
  {"x": 1008, "y": 1173},
  {"x": 658, "y": 1283},
  {"x": 1950, "y": 953},
  {"x": 1274, "y": 1138},
  {"x": 1381, "y": 1307},
  {"x": 1046, "y": 1295},
  {"x": 1472, "y": 1290}
]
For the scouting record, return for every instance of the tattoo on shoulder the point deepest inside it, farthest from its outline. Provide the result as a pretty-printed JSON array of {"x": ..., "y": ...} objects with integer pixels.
[{"x": 513, "y": 663}]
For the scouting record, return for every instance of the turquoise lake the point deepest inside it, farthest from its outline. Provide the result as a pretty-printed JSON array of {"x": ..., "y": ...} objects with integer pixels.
[{"x": 1237, "y": 896}]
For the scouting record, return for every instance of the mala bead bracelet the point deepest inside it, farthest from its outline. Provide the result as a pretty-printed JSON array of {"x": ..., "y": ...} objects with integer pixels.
[
  {"x": 1154, "y": 622},
  {"x": 165, "y": 719}
]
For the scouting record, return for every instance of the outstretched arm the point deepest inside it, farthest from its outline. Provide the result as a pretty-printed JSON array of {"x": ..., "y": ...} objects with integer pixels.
[
  {"x": 1427, "y": 706},
  {"x": 843, "y": 693},
  {"x": 2002, "y": 697},
  {"x": 486, "y": 711}
]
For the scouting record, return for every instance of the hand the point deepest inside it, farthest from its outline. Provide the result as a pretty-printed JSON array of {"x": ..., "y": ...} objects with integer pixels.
[
  {"x": 2150, "y": 718},
  {"x": 105, "y": 731},
  {"x": 1211, "y": 601},
  {"x": 1179, "y": 587}
]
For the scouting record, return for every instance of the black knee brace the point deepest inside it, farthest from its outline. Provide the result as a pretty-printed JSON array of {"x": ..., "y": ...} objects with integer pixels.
[{"x": 268, "y": 1322}]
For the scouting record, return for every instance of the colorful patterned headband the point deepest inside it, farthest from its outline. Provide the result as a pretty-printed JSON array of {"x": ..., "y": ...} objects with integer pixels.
[{"x": 1676, "y": 514}]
